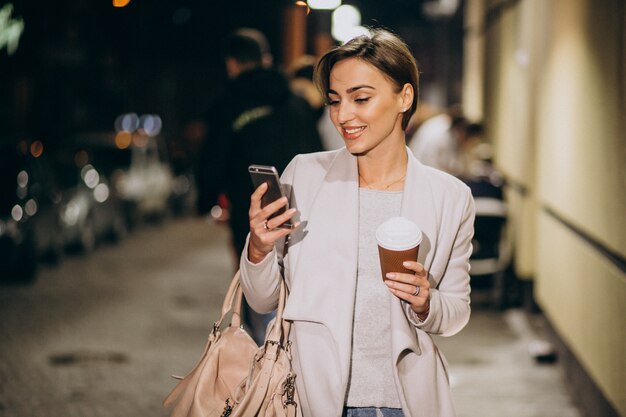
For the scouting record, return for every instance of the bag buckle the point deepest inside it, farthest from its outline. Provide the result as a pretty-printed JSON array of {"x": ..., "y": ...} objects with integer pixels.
[
  {"x": 290, "y": 388},
  {"x": 274, "y": 342},
  {"x": 228, "y": 409}
]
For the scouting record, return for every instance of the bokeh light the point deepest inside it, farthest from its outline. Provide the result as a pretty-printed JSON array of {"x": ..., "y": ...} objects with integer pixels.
[
  {"x": 150, "y": 124},
  {"x": 140, "y": 141},
  {"x": 81, "y": 158},
  {"x": 120, "y": 3},
  {"x": 302, "y": 3},
  {"x": 22, "y": 179},
  {"x": 324, "y": 4},
  {"x": 346, "y": 23},
  {"x": 101, "y": 193},
  {"x": 17, "y": 212},
  {"x": 90, "y": 176},
  {"x": 36, "y": 149},
  {"x": 30, "y": 207},
  {"x": 127, "y": 122},
  {"x": 123, "y": 139}
]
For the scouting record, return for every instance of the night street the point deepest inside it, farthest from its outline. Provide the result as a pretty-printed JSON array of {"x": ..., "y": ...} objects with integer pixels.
[
  {"x": 126, "y": 125},
  {"x": 100, "y": 335}
]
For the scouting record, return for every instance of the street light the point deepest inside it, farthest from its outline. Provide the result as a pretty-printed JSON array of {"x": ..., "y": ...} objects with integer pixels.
[
  {"x": 324, "y": 4},
  {"x": 346, "y": 23}
]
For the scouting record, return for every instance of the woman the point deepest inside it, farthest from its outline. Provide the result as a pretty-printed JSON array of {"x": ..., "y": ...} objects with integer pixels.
[{"x": 362, "y": 346}]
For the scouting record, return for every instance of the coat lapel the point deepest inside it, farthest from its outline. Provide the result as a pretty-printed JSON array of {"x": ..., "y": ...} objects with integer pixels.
[
  {"x": 324, "y": 280},
  {"x": 417, "y": 206}
]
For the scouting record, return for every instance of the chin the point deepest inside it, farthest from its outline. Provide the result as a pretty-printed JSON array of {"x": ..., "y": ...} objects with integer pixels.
[
  {"x": 355, "y": 149},
  {"x": 358, "y": 147}
]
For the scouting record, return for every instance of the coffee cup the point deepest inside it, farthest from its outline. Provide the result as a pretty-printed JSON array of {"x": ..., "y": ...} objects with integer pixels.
[{"x": 399, "y": 240}]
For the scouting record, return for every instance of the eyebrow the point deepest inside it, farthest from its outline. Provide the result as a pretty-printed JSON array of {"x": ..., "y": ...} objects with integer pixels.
[{"x": 352, "y": 89}]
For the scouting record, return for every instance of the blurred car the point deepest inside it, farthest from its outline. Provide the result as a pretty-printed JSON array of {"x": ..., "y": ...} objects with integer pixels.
[
  {"x": 29, "y": 211},
  {"x": 139, "y": 170},
  {"x": 91, "y": 212}
]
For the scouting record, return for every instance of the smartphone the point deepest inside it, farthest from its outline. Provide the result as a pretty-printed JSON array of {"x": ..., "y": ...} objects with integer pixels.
[{"x": 269, "y": 175}]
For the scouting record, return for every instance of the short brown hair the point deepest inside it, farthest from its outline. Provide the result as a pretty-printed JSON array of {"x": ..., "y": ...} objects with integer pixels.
[{"x": 382, "y": 49}]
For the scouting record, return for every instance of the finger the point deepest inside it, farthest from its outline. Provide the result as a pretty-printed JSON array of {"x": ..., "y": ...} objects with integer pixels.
[
  {"x": 279, "y": 220},
  {"x": 407, "y": 288},
  {"x": 281, "y": 232},
  {"x": 271, "y": 236},
  {"x": 255, "y": 198},
  {"x": 411, "y": 279},
  {"x": 408, "y": 282},
  {"x": 414, "y": 266},
  {"x": 274, "y": 206},
  {"x": 418, "y": 300}
]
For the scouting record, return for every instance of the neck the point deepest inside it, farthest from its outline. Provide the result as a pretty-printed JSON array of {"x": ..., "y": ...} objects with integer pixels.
[{"x": 385, "y": 172}]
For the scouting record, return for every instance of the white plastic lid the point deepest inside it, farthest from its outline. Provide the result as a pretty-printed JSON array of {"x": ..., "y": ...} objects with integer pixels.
[{"x": 398, "y": 233}]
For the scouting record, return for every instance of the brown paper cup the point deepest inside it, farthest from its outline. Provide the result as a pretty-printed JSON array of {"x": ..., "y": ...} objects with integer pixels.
[
  {"x": 391, "y": 260},
  {"x": 398, "y": 241}
]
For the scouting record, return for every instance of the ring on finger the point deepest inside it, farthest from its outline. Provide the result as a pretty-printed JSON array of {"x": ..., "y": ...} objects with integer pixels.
[
  {"x": 265, "y": 226},
  {"x": 417, "y": 291}
]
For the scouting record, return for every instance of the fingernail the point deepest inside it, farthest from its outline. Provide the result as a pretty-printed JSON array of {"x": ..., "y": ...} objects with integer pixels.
[
  {"x": 390, "y": 275},
  {"x": 387, "y": 283},
  {"x": 406, "y": 264}
]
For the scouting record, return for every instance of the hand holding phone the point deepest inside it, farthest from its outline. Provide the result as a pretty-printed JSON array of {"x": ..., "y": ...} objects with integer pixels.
[
  {"x": 268, "y": 174},
  {"x": 266, "y": 203}
]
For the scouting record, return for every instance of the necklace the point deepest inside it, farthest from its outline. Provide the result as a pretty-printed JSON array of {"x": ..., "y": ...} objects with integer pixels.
[{"x": 385, "y": 187}]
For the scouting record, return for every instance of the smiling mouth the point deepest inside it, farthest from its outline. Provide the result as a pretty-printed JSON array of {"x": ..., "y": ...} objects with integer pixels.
[{"x": 352, "y": 132}]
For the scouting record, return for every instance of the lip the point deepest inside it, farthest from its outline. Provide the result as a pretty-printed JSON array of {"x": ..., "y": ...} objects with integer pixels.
[{"x": 352, "y": 132}]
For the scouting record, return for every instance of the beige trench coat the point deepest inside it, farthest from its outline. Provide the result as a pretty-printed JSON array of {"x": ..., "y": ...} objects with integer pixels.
[{"x": 320, "y": 264}]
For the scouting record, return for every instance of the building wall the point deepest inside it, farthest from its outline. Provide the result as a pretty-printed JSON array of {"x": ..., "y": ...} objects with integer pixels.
[{"x": 554, "y": 88}]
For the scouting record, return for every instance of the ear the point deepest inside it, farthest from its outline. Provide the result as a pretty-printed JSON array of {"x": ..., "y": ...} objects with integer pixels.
[{"x": 406, "y": 96}]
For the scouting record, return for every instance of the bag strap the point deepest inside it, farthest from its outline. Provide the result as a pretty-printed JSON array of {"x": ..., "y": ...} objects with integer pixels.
[
  {"x": 232, "y": 301},
  {"x": 233, "y": 295},
  {"x": 281, "y": 327}
]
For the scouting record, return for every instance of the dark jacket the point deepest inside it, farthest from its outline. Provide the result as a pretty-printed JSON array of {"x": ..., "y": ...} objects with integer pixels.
[{"x": 258, "y": 120}]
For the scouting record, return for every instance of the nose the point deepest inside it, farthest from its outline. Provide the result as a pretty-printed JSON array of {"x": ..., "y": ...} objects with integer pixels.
[{"x": 344, "y": 113}]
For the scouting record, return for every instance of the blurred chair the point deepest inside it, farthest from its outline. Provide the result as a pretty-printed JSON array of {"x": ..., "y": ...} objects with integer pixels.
[{"x": 491, "y": 254}]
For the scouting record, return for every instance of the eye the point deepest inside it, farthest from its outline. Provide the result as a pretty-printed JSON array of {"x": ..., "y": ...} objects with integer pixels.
[
  {"x": 362, "y": 99},
  {"x": 330, "y": 102}
]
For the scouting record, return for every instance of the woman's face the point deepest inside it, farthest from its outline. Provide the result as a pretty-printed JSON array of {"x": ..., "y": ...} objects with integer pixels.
[{"x": 365, "y": 107}]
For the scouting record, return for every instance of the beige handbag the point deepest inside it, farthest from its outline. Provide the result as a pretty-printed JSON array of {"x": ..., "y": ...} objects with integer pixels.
[{"x": 236, "y": 378}]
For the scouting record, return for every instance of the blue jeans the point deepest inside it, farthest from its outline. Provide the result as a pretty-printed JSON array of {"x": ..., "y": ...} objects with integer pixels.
[{"x": 371, "y": 412}]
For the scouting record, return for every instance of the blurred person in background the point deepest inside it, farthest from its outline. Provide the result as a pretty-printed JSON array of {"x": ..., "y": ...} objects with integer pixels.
[
  {"x": 301, "y": 75},
  {"x": 474, "y": 153},
  {"x": 362, "y": 343},
  {"x": 258, "y": 120},
  {"x": 437, "y": 142},
  {"x": 424, "y": 112}
]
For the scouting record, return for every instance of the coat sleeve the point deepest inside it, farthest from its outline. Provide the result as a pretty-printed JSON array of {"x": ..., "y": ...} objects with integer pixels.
[
  {"x": 261, "y": 282},
  {"x": 450, "y": 300}
]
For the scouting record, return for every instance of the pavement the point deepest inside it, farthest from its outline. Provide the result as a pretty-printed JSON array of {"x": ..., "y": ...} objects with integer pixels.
[
  {"x": 99, "y": 336},
  {"x": 493, "y": 373}
]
